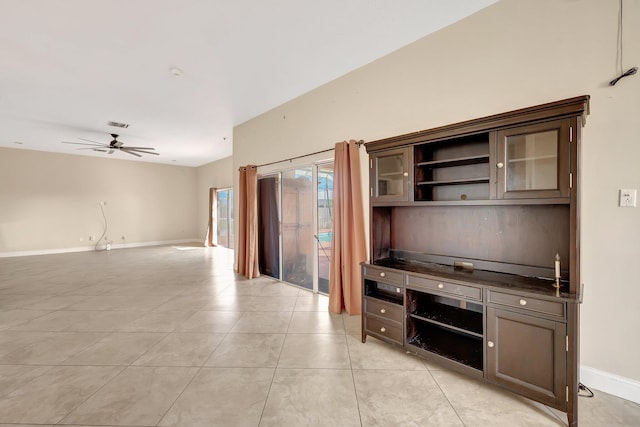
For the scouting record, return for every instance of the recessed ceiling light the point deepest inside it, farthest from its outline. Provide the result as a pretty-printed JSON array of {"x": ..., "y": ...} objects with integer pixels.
[{"x": 175, "y": 71}]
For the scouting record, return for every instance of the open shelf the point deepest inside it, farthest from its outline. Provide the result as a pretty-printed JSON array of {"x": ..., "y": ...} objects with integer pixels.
[
  {"x": 461, "y": 348},
  {"x": 464, "y": 321},
  {"x": 383, "y": 292},
  {"x": 459, "y": 161},
  {"x": 450, "y": 165},
  {"x": 456, "y": 181}
]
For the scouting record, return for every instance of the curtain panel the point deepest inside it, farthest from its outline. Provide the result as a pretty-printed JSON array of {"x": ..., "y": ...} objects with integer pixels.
[
  {"x": 248, "y": 222},
  {"x": 348, "y": 242}
]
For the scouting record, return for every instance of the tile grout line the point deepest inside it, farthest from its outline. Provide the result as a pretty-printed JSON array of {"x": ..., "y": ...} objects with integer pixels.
[
  {"x": 446, "y": 397},
  {"x": 353, "y": 376},
  {"x": 275, "y": 370}
]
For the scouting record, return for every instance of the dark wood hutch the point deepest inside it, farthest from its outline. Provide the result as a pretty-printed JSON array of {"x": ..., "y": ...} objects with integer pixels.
[{"x": 466, "y": 221}]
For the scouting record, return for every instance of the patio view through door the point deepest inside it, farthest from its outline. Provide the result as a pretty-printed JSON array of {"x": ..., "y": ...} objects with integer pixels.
[
  {"x": 324, "y": 226},
  {"x": 294, "y": 221}
]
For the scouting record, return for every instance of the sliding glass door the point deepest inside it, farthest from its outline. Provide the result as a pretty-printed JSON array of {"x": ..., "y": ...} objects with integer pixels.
[
  {"x": 294, "y": 225},
  {"x": 297, "y": 227},
  {"x": 269, "y": 225},
  {"x": 324, "y": 209}
]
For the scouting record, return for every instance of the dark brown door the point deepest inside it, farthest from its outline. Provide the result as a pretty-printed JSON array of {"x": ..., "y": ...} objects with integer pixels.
[{"x": 528, "y": 355}]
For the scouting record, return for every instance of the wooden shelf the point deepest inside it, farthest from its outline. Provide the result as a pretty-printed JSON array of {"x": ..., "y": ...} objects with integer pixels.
[
  {"x": 459, "y": 161},
  {"x": 482, "y": 180},
  {"x": 460, "y": 348},
  {"x": 464, "y": 321}
]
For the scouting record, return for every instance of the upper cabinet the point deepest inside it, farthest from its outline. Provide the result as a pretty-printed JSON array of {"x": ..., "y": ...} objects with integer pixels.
[
  {"x": 533, "y": 161},
  {"x": 523, "y": 154},
  {"x": 389, "y": 175}
]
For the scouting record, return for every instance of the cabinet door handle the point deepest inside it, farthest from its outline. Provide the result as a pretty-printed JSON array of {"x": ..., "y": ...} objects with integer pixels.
[
  {"x": 398, "y": 290},
  {"x": 500, "y": 165},
  {"x": 523, "y": 302},
  {"x": 382, "y": 274},
  {"x": 490, "y": 344},
  {"x": 440, "y": 286},
  {"x": 406, "y": 174},
  {"x": 383, "y": 329},
  {"x": 383, "y": 311}
]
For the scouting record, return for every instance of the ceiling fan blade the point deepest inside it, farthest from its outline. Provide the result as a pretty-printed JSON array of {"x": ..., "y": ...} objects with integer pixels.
[
  {"x": 91, "y": 148},
  {"x": 138, "y": 148},
  {"x": 140, "y": 151},
  {"x": 131, "y": 152},
  {"x": 82, "y": 143},
  {"x": 88, "y": 140},
  {"x": 102, "y": 150},
  {"x": 111, "y": 151}
]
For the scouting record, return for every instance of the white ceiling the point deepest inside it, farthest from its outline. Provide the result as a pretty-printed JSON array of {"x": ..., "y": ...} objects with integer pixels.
[{"x": 67, "y": 67}]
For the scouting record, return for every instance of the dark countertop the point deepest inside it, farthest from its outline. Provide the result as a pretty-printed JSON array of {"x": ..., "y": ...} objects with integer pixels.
[{"x": 490, "y": 279}]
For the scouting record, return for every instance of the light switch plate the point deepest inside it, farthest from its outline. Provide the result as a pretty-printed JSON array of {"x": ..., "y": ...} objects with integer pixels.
[{"x": 628, "y": 198}]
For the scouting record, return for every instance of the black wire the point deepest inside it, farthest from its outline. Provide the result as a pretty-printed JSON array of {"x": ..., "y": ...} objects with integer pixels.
[
  {"x": 620, "y": 22},
  {"x": 582, "y": 387}
]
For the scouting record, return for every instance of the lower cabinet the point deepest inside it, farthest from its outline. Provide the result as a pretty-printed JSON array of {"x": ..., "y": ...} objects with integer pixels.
[
  {"x": 527, "y": 354},
  {"x": 383, "y": 306},
  {"x": 512, "y": 338}
]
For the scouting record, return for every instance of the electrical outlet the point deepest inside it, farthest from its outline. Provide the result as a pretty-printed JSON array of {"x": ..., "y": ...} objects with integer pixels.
[{"x": 628, "y": 198}]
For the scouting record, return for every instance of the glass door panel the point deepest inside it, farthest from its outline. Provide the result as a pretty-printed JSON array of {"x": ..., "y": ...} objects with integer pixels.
[
  {"x": 297, "y": 227},
  {"x": 269, "y": 226},
  {"x": 390, "y": 174},
  {"x": 325, "y": 224},
  {"x": 532, "y": 161}
]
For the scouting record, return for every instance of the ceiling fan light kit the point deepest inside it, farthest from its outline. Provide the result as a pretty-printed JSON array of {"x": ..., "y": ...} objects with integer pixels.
[{"x": 113, "y": 146}]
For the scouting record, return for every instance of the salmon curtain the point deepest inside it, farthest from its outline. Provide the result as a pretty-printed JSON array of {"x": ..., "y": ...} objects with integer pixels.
[
  {"x": 348, "y": 241},
  {"x": 248, "y": 222}
]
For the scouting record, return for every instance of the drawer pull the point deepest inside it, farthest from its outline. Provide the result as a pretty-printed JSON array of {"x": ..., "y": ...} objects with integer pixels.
[
  {"x": 405, "y": 174},
  {"x": 383, "y": 329},
  {"x": 440, "y": 286},
  {"x": 383, "y": 311},
  {"x": 490, "y": 344},
  {"x": 382, "y": 274},
  {"x": 500, "y": 165},
  {"x": 523, "y": 302}
]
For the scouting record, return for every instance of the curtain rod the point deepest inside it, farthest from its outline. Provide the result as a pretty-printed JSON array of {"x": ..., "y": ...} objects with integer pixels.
[{"x": 358, "y": 143}]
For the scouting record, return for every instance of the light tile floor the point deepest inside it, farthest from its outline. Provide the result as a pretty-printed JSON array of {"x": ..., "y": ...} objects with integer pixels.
[{"x": 170, "y": 336}]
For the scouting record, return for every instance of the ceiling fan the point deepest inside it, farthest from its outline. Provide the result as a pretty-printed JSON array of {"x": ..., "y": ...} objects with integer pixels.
[{"x": 111, "y": 147}]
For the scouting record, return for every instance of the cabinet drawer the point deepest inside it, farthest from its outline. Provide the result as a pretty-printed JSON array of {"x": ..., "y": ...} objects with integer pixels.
[
  {"x": 384, "y": 329},
  {"x": 466, "y": 291},
  {"x": 384, "y": 309},
  {"x": 386, "y": 276},
  {"x": 553, "y": 308}
]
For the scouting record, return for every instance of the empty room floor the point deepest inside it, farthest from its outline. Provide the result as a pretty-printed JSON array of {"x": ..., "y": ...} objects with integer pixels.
[{"x": 170, "y": 336}]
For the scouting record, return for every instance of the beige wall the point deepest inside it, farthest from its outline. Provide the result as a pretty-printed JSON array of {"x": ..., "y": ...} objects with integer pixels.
[
  {"x": 514, "y": 54},
  {"x": 218, "y": 174},
  {"x": 50, "y": 201}
]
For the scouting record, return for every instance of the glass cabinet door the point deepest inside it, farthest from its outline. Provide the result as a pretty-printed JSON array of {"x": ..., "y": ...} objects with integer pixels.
[
  {"x": 533, "y": 161},
  {"x": 389, "y": 177}
]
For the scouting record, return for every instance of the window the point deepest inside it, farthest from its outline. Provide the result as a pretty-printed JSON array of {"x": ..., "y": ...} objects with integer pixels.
[{"x": 224, "y": 223}]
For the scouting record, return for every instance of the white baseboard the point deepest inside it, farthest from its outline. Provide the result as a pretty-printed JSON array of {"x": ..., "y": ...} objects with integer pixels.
[
  {"x": 100, "y": 247},
  {"x": 616, "y": 385}
]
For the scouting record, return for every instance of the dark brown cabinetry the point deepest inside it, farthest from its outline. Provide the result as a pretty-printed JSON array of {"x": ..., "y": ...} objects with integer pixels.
[
  {"x": 390, "y": 175},
  {"x": 528, "y": 355},
  {"x": 383, "y": 304},
  {"x": 466, "y": 221}
]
